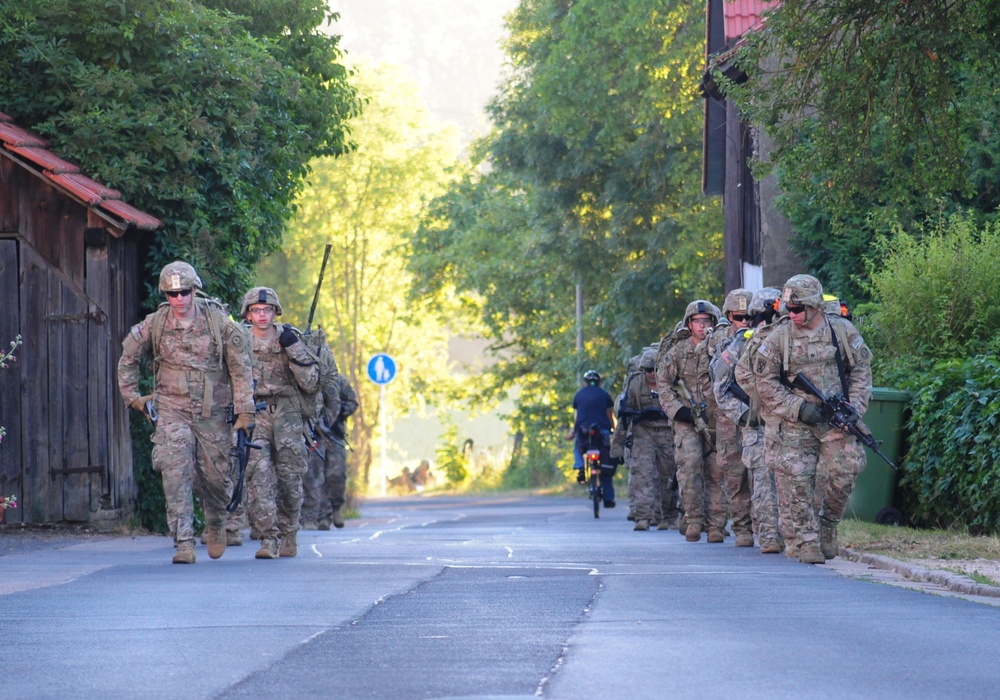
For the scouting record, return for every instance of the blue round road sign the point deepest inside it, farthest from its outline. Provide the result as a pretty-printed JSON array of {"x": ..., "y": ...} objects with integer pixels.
[{"x": 381, "y": 369}]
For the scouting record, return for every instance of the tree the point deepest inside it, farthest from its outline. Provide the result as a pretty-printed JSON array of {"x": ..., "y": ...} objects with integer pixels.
[
  {"x": 202, "y": 118},
  {"x": 592, "y": 177},
  {"x": 880, "y": 112},
  {"x": 363, "y": 204}
]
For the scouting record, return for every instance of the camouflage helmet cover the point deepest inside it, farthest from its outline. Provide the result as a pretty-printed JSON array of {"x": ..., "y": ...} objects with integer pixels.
[
  {"x": 647, "y": 360},
  {"x": 702, "y": 307},
  {"x": 763, "y": 298},
  {"x": 179, "y": 275},
  {"x": 260, "y": 295},
  {"x": 737, "y": 302},
  {"x": 803, "y": 289}
]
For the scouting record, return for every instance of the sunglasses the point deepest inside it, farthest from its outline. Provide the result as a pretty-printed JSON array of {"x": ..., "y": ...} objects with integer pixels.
[
  {"x": 739, "y": 317},
  {"x": 795, "y": 309},
  {"x": 181, "y": 293}
]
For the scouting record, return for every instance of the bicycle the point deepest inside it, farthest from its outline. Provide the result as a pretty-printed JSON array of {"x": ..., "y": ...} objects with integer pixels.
[{"x": 596, "y": 457}]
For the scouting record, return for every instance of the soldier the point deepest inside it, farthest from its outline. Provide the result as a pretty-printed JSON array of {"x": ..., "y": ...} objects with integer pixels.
[
  {"x": 652, "y": 470},
  {"x": 728, "y": 452},
  {"x": 807, "y": 451},
  {"x": 685, "y": 390},
  {"x": 744, "y": 399},
  {"x": 331, "y": 466},
  {"x": 202, "y": 369},
  {"x": 282, "y": 365}
]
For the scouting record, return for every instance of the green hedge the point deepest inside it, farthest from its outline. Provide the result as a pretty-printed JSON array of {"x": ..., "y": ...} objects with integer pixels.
[{"x": 952, "y": 468}]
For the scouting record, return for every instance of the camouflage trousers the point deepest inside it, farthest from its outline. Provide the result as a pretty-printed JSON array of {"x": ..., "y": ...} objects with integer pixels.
[
  {"x": 283, "y": 453},
  {"x": 188, "y": 448},
  {"x": 764, "y": 493},
  {"x": 325, "y": 484},
  {"x": 734, "y": 474},
  {"x": 814, "y": 469},
  {"x": 652, "y": 474},
  {"x": 699, "y": 480}
]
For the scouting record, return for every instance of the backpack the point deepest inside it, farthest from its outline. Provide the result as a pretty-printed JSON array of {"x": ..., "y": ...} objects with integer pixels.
[{"x": 315, "y": 342}]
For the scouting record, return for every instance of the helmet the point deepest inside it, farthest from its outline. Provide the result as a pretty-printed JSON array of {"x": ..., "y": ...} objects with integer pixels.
[
  {"x": 647, "y": 361},
  {"x": 702, "y": 307},
  {"x": 803, "y": 289},
  {"x": 260, "y": 295},
  {"x": 592, "y": 377},
  {"x": 763, "y": 300},
  {"x": 178, "y": 275},
  {"x": 835, "y": 307},
  {"x": 737, "y": 301}
]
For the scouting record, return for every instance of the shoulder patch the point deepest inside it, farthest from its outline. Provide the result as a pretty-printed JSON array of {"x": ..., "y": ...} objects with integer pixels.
[
  {"x": 137, "y": 331},
  {"x": 236, "y": 339},
  {"x": 857, "y": 342},
  {"x": 761, "y": 366},
  {"x": 763, "y": 350}
]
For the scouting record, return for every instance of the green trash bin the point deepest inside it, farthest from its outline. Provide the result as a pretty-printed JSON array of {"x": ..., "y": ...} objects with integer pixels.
[{"x": 874, "y": 496}]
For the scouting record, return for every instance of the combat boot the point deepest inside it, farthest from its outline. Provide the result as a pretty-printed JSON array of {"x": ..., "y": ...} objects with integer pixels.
[
  {"x": 693, "y": 533},
  {"x": 338, "y": 518},
  {"x": 828, "y": 540},
  {"x": 268, "y": 549},
  {"x": 715, "y": 535},
  {"x": 664, "y": 525},
  {"x": 289, "y": 547},
  {"x": 323, "y": 525},
  {"x": 234, "y": 538},
  {"x": 682, "y": 525},
  {"x": 809, "y": 553},
  {"x": 216, "y": 540},
  {"x": 641, "y": 525},
  {"x": 308, "y": 525},
  {"x": 185, "y": 553},
  {"x": 744, "y": 539},
  {"x": 770, "y": 547},
  {"x": 254, "y": 533}
]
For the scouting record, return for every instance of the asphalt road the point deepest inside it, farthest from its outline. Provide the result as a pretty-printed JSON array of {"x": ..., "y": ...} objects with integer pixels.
[{"x": 476, "y": 598}]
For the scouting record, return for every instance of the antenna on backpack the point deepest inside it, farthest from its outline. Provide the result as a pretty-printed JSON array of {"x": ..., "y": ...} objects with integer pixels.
[{"x": 319, "y": 284}]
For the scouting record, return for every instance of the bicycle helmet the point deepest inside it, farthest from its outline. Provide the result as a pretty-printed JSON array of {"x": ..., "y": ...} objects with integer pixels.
[{"x": 592, "y": 377}]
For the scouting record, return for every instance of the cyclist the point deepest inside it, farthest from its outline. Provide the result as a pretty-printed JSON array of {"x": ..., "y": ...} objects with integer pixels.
[{"x": 594, "y": 407}]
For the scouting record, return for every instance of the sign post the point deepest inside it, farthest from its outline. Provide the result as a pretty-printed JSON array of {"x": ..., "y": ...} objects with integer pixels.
[{"x": 382, "y": 370}]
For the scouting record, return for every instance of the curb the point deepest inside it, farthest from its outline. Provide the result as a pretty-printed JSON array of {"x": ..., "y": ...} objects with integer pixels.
[{"x": 953, "y": 582}]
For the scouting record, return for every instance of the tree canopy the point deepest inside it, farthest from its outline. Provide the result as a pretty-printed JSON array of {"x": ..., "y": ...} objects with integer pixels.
[
  {"x": 880, "y": 112},
  {"x": 201, "y": 117},
  {"x": 363, "y": 204},
  {"x": 591, "y": 176}
]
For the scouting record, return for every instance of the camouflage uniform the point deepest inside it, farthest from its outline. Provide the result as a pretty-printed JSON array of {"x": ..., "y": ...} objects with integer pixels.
[
  {"x": 809, "y": 454},
  {"x": 728, "y": 449},
  {"x": 282, "y": 366},
  {"x": 764, "y": 495},
  {"x": 697, "y": 475},
  {"x": 201, "y": 366},
  {"x": 328, "y": 468},
  {"x": 652, "y": 469}
]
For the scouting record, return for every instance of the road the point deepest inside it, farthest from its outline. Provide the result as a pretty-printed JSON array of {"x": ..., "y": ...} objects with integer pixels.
[{"x": 477, "y": 598}]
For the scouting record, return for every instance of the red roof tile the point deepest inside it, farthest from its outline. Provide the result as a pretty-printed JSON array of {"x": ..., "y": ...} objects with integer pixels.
[
  {"x": 32, "y": 151},
  {"x": 741, "y": 16}
]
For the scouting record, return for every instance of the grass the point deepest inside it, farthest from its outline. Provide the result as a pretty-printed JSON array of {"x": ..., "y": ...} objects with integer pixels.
[{"x": 912, "y": 544}]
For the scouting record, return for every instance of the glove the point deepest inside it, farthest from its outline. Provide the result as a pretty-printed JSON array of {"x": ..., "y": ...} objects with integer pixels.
[
  {"x": 684, "y": 415},
  {"x": 287, "y": 337},
  {"x": 580, "y": 478},
  {"x": 244, "y": 421},
  {"x": 140, "y": 403},
  {"x": 809, "y": 414}
]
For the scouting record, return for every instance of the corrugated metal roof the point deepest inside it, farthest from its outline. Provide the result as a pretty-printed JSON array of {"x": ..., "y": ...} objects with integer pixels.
[
  {"x": 742, "y": 16},
  {"x": 32, "y": 151}
]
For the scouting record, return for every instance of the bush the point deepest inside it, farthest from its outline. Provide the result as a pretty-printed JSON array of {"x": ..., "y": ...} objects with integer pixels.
[
  {"x": 938, "y": 297},
  {"x": 953, "y": 464}
]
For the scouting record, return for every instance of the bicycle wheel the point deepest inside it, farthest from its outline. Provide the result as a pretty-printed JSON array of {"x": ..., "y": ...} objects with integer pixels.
[{"x": 595, "y": 493}]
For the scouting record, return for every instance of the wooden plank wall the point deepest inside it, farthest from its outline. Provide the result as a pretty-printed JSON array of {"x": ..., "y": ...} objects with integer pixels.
[{"x": 11, "y": 385}]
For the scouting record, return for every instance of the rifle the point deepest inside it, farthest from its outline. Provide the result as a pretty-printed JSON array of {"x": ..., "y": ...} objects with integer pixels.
[
  {"x": 700, "y": 412},
  {"x": 737, "y": 391},
  {"x": 639, "y": 416},
  {"x": 241, "y": 453},
  {"x": 319, "y": 284},
  {"x": 842, "y": 415}
]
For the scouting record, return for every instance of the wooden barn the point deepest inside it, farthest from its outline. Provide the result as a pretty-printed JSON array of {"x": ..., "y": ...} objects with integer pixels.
[{"x": 69, "y": 261}]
